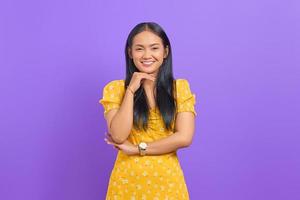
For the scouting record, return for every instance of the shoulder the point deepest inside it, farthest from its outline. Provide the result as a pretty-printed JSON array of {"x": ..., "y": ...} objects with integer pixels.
[
  {"x": 183, "y": 90},
  {"x": 115, "y": 83},
  {"x": 114, "y": 86},
  {"x": 182, "y": 83}
]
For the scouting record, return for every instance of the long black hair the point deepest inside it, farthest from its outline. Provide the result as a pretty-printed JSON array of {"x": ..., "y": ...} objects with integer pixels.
[{"x": 165, "y": 85}]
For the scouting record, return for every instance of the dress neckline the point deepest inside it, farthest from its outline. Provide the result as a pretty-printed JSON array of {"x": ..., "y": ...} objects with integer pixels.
[{"x": 153, "y": 109}]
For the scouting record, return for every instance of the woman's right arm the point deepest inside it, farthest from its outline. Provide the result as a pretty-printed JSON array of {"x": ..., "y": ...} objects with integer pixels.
[{"x": 120, "y": 120}]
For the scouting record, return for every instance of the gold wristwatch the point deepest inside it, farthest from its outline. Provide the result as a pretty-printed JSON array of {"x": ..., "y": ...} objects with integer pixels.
[{"x": 142, "y": 148}]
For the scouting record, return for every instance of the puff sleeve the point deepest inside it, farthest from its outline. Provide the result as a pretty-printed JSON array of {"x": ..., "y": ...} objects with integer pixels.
[
  {"x": 113, "y": 93},
  {"x": 185, "y": 98}
]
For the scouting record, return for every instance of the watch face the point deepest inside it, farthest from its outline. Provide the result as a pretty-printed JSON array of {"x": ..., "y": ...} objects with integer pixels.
[{"x": 143, "y": 145}]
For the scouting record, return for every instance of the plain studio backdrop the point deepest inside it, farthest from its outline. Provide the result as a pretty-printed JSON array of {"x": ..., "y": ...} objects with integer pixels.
[{"x": 241, "y": 59}]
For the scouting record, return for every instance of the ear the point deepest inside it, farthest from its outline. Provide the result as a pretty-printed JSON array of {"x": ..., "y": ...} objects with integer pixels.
[
  {"x": 129, "y": 52},
  {"x": 166, "y": 51}
]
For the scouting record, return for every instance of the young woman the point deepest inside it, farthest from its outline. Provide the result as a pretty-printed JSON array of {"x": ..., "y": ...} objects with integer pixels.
[{"x": 149, "y": 116}]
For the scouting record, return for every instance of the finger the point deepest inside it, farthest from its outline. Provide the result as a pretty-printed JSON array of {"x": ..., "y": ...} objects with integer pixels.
[
  {"x": 150, "y": 77},
  {"x": 109, "y": 138},
  {"x": 109, "y": 142},
  {"x": 116, "y": 147},
  {"x": 147, "y": 76},
  {"x": 107, "y": 134}
]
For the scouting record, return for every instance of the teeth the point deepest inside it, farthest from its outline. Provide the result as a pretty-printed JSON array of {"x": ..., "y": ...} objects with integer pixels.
[{"x": 147, "y": 63}]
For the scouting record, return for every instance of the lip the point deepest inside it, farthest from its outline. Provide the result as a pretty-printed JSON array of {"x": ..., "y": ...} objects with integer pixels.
[{"x": 147, "y": 63}]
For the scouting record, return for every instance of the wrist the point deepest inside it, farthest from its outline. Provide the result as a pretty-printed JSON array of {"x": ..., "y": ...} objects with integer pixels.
[
  {"x": 142, "y": 147},
  {"x": 130, "y": 90},
  {"x": 137, "y": 150}
]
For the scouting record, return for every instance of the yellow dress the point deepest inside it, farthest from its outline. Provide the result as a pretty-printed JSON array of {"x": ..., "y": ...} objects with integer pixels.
[{"x": 147, "y": 177}]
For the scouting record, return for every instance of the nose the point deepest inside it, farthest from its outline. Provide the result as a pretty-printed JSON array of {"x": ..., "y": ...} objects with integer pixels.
[{"x": 147, "y": 54}]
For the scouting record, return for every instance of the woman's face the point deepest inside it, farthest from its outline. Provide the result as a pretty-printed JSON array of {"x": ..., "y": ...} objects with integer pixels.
[{"x": 148, "y": 52}]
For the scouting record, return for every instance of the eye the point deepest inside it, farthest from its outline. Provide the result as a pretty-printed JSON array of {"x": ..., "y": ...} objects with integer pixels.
[
  {"x": 155, "y": 48},
  {"x": 138, "y": 49}
]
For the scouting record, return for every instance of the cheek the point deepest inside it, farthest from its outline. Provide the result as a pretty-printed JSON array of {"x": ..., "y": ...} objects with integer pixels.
[
  {"x": 137, "y": 54},
  {"x": 159, "y": 55}
]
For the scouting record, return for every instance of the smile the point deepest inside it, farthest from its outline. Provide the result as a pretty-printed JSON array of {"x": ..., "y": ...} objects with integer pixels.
[{"x": 147, "y": 63}]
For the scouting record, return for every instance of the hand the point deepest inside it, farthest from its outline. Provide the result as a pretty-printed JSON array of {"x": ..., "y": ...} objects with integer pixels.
[
  {"x": 138, "y": 78},
  {"x": 127, "y": 147}
]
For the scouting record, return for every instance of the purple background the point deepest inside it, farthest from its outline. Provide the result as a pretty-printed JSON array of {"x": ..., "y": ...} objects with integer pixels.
[{"x": 240, "y": 57}]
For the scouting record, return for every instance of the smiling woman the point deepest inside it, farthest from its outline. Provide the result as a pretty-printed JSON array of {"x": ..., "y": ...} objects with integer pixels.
[
  {"x": 150, "y": 115},
  {"x": 148, "y": 52}
]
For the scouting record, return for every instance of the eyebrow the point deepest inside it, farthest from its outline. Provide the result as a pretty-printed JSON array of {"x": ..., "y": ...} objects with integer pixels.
[{"x": 149, "y": 45}]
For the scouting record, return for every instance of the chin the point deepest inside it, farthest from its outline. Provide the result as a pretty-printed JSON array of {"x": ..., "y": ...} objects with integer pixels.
[{"x": 145, "y": 70}]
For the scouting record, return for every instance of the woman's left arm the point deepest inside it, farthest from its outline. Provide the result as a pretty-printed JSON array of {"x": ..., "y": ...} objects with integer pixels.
[{"x": 182, "y": 137}]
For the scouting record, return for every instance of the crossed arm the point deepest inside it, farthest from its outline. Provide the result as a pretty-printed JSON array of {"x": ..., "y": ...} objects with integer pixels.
[
  {"x": 179, "y": 139},
  {"x": 120, "y": 120}
]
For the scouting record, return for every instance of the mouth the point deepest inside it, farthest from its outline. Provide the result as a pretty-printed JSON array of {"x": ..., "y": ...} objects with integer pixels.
[{"x": 147, "y": 63}]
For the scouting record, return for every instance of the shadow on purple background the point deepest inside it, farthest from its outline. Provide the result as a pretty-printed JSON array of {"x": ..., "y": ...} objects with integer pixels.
[{"x": 240, "y": 57}]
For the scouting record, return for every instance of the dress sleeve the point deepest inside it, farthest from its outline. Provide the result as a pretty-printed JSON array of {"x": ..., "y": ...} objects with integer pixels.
[
  {"x": 186, "y": 100},
  {"x": 113, "y": 93}
]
